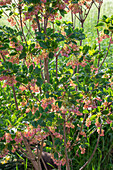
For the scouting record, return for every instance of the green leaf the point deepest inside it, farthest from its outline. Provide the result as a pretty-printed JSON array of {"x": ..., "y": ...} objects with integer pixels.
[
  {"x": 93, "y": 117},
  {"x": 30, "y": 114},
  {"x": 41, "y": 110},
  {"x": 42, "y": 44},
  {"x": 63, "y": 12},
  {"x": 35, "y": 124},
  {"x": 101, "y": 24},
  {"x": 111, "y": 29},
  {"x": 58, "y": 141},
  {"x": 41, "y": 122},
  {"x": 39, "y": 81},
  {"x": 106, "y": 31},
  {"x": 31, "y": 68},
  {"x": 105, "y": 112},
  {"x": 12, "y": 54},
  {"x": 30, "y": 9},
  {"x": 59, "y": 103},
  {"x": 56, "y": 155},
  {"x": 58, "y": 22},
  {"x": 104, "y": 17},
  {"x": 37, "y": 71},
  {"x": 22, "y": 55},
  {"x": 51, "y": 55},
  {"x": 37, "y": 114}
]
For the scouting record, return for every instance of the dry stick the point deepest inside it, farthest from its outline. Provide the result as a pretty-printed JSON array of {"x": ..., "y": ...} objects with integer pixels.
[
  {"x": 59, "y": 167},
  {"x": 38, "y": 23},
  {"x": 44, "y": 163},
  {"x": 33, "y": 95},
  {"x": 22, "y": 151},
  {"x": 57, "y": 66},
  {"x": 29, "y": 32},
  {"x": 41, "y": 70},
  {"x": 40, "y": 155},
  {"x": 72, "y": 19},
  {"x": 106, "y": 53},
  {"x": 66, "y": 154},
  {"x": 77, "y": 77},
  {"x": 92, "y": 153},
  {"x": 82, "y": 20},
  {"x": 98, "y": 32},
  {"x": 15, "y": 97},
  {"x": 32, "y": 157},
  {"x": 89, "y": 9},
  {"x": 20, "y": 12},
  {"x": 40, "y": 152},
  {"x": 46, "y": 70}
]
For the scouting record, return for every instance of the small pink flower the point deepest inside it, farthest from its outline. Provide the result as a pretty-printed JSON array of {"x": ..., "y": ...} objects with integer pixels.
[
  {"x": 88, "y": 122},
  {"x": 109, "y": 121},
  {"x": 19, "y": 48},
  {"x": 44, "y": 1},
  {"x": 82, "y": 150},
  {"x": 111, "y": 41}
]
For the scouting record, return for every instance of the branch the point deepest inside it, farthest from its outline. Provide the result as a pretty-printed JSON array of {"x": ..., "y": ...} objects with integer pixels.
[
  {"x": 32, "y": 157},
  {"x": 33, "y": 95},
  {"x": 81, "y": 126},
  {"x": 38, "y": 24},
  {"x": 77, "y": 17},
  {"x": 56, "y": 66},
  {"x": 66, "y": 154},
  {"x": 20, "y": 12},
  {"x": 92, "y": 153},
  {"x": 98, "y": 33},
  {"x": 89, "y": 9},
  {"x": 15, "y": 97},
  {"x": 106, "y": 53}
]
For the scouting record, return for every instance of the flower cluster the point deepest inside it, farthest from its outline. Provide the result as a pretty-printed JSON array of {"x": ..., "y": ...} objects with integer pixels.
[
  {"x": 9, "y": 80},
  {"x": 4, "y": 2},
  {"x": 82, "y": 149},
  {"x": 12, "y": 21},
  {"x": 102, "y": 37}
]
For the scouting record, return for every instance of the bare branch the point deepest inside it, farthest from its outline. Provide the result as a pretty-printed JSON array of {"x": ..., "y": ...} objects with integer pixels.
[{"x": 92, "y": 153}]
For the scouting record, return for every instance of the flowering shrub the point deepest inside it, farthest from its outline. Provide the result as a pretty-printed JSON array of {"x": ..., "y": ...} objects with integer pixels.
[{"x": 54, "y": 95}]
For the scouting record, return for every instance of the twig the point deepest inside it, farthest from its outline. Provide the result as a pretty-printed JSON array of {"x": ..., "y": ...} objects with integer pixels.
[
  {"x": 92, "y": 153},
  {"x": 44, "y": 163},
  {"x": 66, "y": 154},
  {"x": 56, "y": 66},
  {"x": 15, "y": 97},
  {"x": 98, "y": 32},
  {"x": 106, "y": 53},
  {"x": 89, "y": 10},
  {"x": 32, "y": 157},
  {"x": 20, "y": 12},
  {"x": 81, "y": 126},
  {"x": 38, "y": 24},
  {"x": 33, "y": 95}
]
